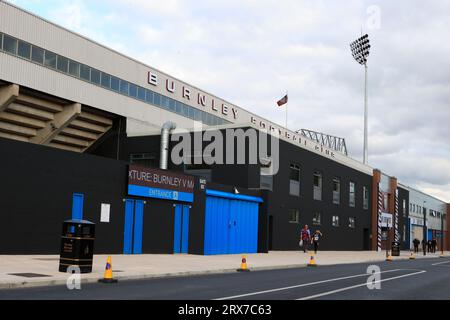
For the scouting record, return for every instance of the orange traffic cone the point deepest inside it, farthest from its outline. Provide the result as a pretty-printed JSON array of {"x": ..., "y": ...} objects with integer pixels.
[
  {"x": 412, "y": 256},
  {"x": 108, "y": 276},
  {"x": 312, "y": 261},
  {"x": 243, "y": 267},
  {"x": 389, "y": 257}
]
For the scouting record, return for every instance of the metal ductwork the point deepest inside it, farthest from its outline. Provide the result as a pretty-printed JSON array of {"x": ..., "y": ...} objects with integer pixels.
[{"x": 165, "y": 132}]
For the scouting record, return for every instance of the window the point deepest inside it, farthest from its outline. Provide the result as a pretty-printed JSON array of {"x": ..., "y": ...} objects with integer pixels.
[
  {"x": 50, "y": 59},
  {"x": 336, "y": 191},
  {"x": 106, "y": 80},
  {"x": 317, "y": 218},
  {"x": 85, "y": 72},
  {"x": 144, "y": 159},
  {"x": 365, "y": 198},
  {"x": 24, "y": 50},
  {"x": 351, "y": 222},
  {"x": 95, "y": 76},
  {"x": 294, "y": 216},
  {"x": 124, "y": 86},
  {"x": 351, "y": 198},
  {"x": 266, "y": 178},
  {"x": 335, "y": 221},
  {"x": 294, "y": 180},
  {"x": 62, "y": 64},
  {"x": 115, "y": 83},
  {"x": 149, "y": 96},
  {"x": 133, "y": 90},
  {"x": 37, "y": 55},
  {"x": 156, "y": 99},
  {"x": 9, "y": 44},
  {"x": 74, "y": 68},
  {"x": 171, "y": 104},
  {"x": 317, "y": 185},
  {"x": 1, "y": 41},
  {"x": 141, "y": 93}
]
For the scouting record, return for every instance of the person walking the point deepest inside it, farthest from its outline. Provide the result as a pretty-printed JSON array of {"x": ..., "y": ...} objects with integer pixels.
[
  {"x": 416, "y": 243},
  {"x": 305, "y": 238},
  {"x": 315, "y": 240},
  {"x": 433, "y": 245},
  {"x": 430, "y": 248},
  {"x": 424, "y": 247}
]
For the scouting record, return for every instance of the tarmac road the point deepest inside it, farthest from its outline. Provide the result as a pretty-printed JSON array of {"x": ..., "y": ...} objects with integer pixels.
[{"x": 427, "y": 279}]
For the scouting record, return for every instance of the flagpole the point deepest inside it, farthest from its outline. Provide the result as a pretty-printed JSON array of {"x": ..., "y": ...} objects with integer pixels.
[{"x": 287, "y": 109}]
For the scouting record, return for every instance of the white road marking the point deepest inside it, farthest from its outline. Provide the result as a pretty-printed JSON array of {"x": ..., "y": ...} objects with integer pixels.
[
  {"x": 306, "y": 284},
  {"x": 435, "y": 264},
  {"x": 356, "y": 286}
]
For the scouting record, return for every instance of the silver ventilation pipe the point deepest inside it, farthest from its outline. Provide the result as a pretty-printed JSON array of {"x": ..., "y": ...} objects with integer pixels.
[{"x": 165, "y": 132}]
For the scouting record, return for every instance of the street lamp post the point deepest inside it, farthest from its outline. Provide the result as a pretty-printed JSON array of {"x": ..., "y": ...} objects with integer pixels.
[
  {"x": 424, "y": 210},
  {"x": 442, "y": 234},
  {"x": 360, "y": 51}
]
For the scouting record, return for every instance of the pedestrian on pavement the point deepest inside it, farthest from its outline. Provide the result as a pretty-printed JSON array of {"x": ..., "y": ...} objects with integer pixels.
[
  {"x": 315, "y": 240},
  {"x": 424, "y": 247},
  {"x": 433, "y": 245},
  {"x": 305, "y": 238},
  {"x": 429, "y": 245},
  {"x": 416, "y": 243}
]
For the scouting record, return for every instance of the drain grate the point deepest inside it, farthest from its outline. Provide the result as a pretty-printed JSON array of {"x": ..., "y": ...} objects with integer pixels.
[{"x": 29, "y": 275}]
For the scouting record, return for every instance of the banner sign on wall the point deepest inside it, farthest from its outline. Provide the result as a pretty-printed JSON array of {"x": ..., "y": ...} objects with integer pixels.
[{"x": 161, "y": 184}]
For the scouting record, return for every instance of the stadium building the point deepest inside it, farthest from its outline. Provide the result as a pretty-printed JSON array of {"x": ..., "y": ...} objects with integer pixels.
[{"x": 88, "y": 133}]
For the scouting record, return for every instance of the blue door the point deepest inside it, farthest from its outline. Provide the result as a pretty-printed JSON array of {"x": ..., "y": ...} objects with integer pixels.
[
  {"x": 138, "y": 226},
  {"x": 77, "y": 206},
  {"x": 134, "y": 218},
  {"x": 181, "y": 229},
  {"x": 231, "y": 223}
]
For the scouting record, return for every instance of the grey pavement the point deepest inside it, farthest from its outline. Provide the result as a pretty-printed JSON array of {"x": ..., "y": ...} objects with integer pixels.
[{"x": 44, "y": 268}]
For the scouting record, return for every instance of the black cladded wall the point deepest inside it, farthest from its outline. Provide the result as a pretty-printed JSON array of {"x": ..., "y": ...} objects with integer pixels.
[
  {"x": 403, "y": 217},
  {"x": 37, "y": 184},
  {"x": 286, "y": 234},
  {"x": 275, "y": 230},
  {"x": 280, "y": 234},
  {"x": 36, "y": 188}
]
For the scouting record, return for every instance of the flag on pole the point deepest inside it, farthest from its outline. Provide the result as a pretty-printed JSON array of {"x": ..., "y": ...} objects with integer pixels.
[{"x": 282, "y": 101}]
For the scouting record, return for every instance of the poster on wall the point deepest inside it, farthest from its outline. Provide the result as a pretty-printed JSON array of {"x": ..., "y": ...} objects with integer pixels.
[
  {"x": 104, "y": 212},
  {"x": 161, "y": 184}
]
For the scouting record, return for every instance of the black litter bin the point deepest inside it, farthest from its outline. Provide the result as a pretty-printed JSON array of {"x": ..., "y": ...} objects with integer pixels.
[
  {"x": 77, "y": 245},
  {"x": 395, "y": 248}
]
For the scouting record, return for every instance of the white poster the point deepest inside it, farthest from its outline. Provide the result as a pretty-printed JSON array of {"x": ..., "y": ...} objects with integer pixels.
[{"x": 104, "y": 215}]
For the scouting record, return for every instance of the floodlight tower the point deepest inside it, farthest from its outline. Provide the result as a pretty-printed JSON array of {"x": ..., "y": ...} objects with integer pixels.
[{"x": 360, "y": 51}]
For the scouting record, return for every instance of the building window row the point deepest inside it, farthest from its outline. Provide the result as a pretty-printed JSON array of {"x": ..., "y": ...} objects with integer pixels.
[
  {"x": 295, "y": 180},
  {"x": 83, "y": 72},
  {"x": 294, "y": 217}
]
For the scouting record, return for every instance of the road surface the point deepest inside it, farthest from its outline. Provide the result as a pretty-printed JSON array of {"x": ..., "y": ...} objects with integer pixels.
[{"x": 404, "y": 279}]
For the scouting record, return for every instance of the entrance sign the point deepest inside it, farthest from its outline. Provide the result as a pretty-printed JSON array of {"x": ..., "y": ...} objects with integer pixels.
[{"x": 161, "y": 184}]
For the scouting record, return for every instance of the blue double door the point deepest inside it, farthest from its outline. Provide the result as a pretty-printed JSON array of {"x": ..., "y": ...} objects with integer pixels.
[
  {"x": 231, "y": 225},
  {"x": 134, "y": 221},
  {"x": 181, "y": 229}
]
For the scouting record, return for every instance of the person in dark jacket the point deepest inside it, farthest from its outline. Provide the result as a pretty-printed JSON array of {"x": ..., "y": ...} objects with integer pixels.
[
  {"x": 315, "y": 240},
  {"x": 433, "y": 245},
  {"x": 416, "y": 243},
  {"x": 429, "y": 245},
  {"x": 424, "y": 247}
]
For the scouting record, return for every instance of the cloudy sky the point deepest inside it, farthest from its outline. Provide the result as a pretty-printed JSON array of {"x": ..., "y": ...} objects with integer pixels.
[{"x": 250, "y": 52}]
